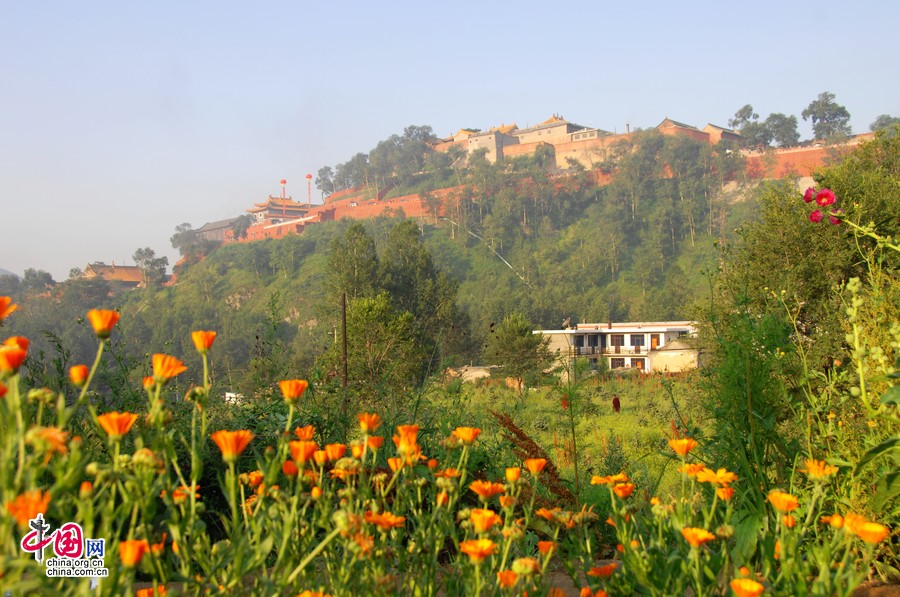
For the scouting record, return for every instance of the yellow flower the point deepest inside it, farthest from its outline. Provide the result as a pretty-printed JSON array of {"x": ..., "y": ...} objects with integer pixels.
[
  {"x": 683, "y": 446},
  {"x": 116, "y": 424},
  {"x": 696, "y": 537},
  {"x": 719, "y": 477},
  {"x": 783, "y": 502},
  {"x": 870, "y": 532},
  {"x": 746, "y": 587},
  {"x": 818, "y": 470},
  {"x": 203, "y": 341},
  {"x": 103, "y": 321}
]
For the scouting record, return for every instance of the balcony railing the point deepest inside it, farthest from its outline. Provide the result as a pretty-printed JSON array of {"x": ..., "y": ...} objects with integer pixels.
[{"x": 578, "y": 351}]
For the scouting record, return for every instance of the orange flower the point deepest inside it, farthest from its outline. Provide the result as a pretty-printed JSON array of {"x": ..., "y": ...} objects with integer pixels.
[
  {"x": 48, "y": 439},
  {"x": 181, "y": 493},
  {"x": 691, "y": 470},
  {"x": 466, "y": 435},
  {"x": 320, "y": 457},
  {"x": 603, "y": 571},
  {"x": 654, "y": 501},
  {"x": 683, "y": 446},
  {"x": 719, "y": 477},
  {"x": 335, "y": 451},
  {"x": 374, "y": 442},
  {"x": 507, "y": 501},
  {"x": 316, "y": 492},
  {"x": 203, "y": 341},
  {"x": 486, "y": 490},
  {"x": 406, "y": 442},
  {"x": 102, "y": 321},
  {"x": 478, "y": 549},
  {"x": 777, "y": 553},
  {"x": 28, "y": 505},
  {"x": 6, "y": 307},
  {"x": 385, "y": 520},
  {"x": 132, "y": 551},
  {"x": 302, "y": 451},
  {"x": 483, "y": 520},
  {"x": 870, "y": 532},
  {"x": 513, "y": 474},
  {"x": 308, "y": 593},
  {"x": 818, "y": 470},
  {"x": 609, "y": 480},
  {"x": 442, "y": 499},
  {"x": 17, "y": 342},
  {"x": 725, "y": 493},
  {"x": 158, "y": 591},
  {"x": 289, "y": 468},
  {"x": 395, "y": 463},
  {"x": 835, "y": 520},
  {"x": 232, "y": 443},
  {"x": 789, "y": 521},
  {"x": 305, "y": 434},
  {"x": 3, "y": 390},
  {"x": 696, "y": 537},
  {"x": 86, "y": 489},
  {"x": 546, "y": 547},
  {"x": 78, "y": 375},
  {"x": 548, "y": 515},
  {"x": 11, "y": 358},
  {"x": 535, "y": 465},
  {"x": 292, "y": 389},
  {"x": 356, "y": 449},
  {"x": 507, "y": 578},
  {"x": 157, "y": 548},
  {"x": 254, "y": 478},
  {"x": 166, "y": 367},
  {"x": 116, "y": 424},
  {"x": 148, "y": 382},
  {"x": 369, "y": 422},
  {"x": 447, "y": 472},
  {"x": 746, "y": 587},
  {"x": 623, "y": 490},
  {"x": 783, "y": 502}
]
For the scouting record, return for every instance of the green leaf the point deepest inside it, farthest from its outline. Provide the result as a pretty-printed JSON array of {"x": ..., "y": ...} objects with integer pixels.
[
  {"x": 887, "y": 488},
  {"x": 891, "y": 397},
  {"x": 885, "y": 446}
]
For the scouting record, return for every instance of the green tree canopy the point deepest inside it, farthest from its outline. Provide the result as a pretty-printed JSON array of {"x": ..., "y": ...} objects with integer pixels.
[
  {"x": 828, "y": 117},
  {"x": 517, "y": 350}
]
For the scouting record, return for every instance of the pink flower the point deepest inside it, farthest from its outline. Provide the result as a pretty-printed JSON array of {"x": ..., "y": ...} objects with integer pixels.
[
  {"x": 816, "y": 216},
  {"x": 809, "y": 194},
  {"x": 825, "y": 198},
  {"x": 835, "y": 217}
]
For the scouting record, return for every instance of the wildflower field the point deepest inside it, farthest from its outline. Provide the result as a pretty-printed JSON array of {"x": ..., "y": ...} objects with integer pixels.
[{"x": 166, "y": 499}]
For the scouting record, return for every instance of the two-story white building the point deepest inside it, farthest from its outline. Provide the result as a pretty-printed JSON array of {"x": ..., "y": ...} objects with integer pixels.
[{"x": 644, "y": 345}]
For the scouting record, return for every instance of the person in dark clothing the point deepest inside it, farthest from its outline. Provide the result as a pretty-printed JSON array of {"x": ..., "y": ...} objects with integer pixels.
[{"x": 616, "y": 404}]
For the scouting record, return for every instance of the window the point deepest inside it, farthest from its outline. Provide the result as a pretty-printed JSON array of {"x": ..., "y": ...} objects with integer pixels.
[
  {"x": 638, "y": 363},
  {"x": 616, "y": 363},
  {"x": 637, "y": 339}
]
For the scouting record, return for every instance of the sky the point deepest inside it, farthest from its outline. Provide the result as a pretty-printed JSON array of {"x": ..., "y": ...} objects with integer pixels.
[{"x": 122, "y": 120}]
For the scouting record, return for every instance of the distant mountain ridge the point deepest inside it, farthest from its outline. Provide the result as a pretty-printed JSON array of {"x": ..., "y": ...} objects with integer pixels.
[{"x": 6, "y": 272}]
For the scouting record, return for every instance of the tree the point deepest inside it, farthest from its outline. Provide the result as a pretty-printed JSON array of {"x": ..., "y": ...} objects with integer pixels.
[
  {"x": 325, "y": 180},
  {"x": 353, "y": 264},
  {"x": 756, "y": 134},
  {"x": 743, "y": 117},
  {"x": 152, "y": 267},
  {"x": 783, "y": 129},
  {"x": 184, "y": 239},
  {"x": 240, "y": 225},
  {"x": 36, "y": 280},
  {"x": 520, "y": 353},
  {"x": 883, "y": 122},
  {"x": 827, "y": 116}
]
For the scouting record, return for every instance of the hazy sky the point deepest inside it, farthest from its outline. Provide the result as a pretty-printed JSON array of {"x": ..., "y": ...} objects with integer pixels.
[{"x": 121, "y": 120}]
